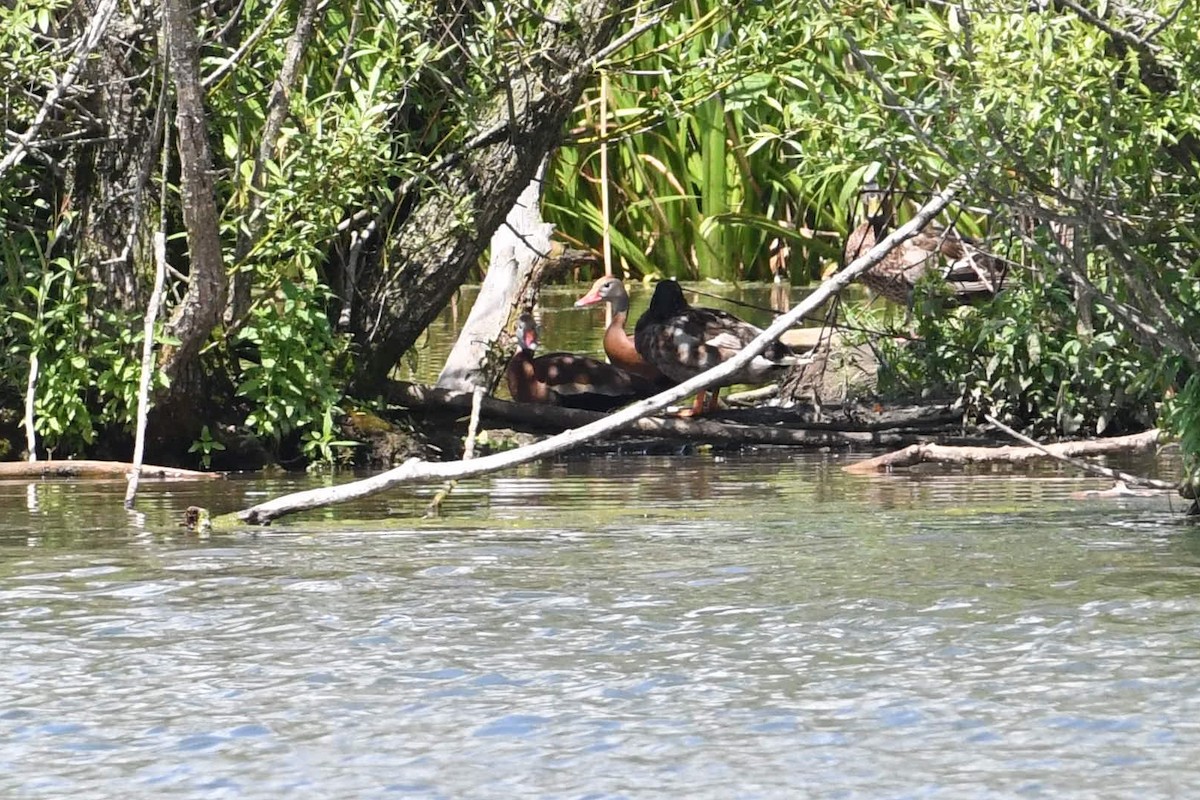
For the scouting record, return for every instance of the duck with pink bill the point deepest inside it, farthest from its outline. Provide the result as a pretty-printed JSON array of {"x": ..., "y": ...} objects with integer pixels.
[{"x": 567, "y": 379}]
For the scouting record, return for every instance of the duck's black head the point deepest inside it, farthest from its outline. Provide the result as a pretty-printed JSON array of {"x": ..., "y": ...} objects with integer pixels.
[
  {"x": 667, "y": 302},
  {"x": 877, "y": 203}
]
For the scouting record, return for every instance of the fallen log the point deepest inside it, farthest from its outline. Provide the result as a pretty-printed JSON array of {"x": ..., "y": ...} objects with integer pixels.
[
  {"x": 545, "y": 417},
  {"x": 944, "y": 454},
  {"x": 835, "y": 417},
  {"x": 96, "y": 469},
  {"x": 1123, "y": 479}
]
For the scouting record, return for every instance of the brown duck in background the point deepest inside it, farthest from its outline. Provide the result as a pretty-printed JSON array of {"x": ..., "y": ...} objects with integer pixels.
[
  {"x": 682, "y": 341},
  {"x": 565, "y": 379},
  {"x": 618, "y": 345},
  {"x": 971, "y": 274}
]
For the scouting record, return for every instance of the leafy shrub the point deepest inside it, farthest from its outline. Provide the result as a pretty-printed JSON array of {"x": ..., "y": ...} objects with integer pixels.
[
  {"x": 293, "y": 382},
  {"x": 1022, "y": 359},
  {"x": 88, "y": 367}
]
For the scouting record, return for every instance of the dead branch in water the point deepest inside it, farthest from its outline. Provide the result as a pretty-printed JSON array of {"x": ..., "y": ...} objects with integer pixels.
[
  {"x": 1123, "y": 478},
  {"x": 934, "y": 453}
]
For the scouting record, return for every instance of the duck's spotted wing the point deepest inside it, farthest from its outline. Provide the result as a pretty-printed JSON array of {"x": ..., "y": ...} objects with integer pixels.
[
  {"x": 725, "y": 332},
  {"x": 569, "y": 374}
]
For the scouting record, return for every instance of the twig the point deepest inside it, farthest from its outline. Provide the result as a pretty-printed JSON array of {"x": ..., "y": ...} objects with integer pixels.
[
  {"x": 1144, "y": 46},
  {"x": 1086, "y": 466},
  {"x": 435, "y": 505}
]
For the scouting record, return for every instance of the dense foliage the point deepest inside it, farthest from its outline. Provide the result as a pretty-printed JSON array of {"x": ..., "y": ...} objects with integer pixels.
[{"x": 737, "y": 135}]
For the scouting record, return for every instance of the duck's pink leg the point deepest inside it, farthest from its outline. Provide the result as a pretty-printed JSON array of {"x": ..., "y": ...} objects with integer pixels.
[{"x": 697, "y": 406}]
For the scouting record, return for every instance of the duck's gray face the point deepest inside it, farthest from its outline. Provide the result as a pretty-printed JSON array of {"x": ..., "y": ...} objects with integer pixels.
[
  {"x": 601, "y": 290},
  {"x": 527, "y": 335},
  {"x": 872, "y": 200}
]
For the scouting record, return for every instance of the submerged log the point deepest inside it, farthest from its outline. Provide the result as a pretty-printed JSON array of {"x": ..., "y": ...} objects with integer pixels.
[
  {"x": 96, "y": 469},
  {"x": 943, "y": 454}
]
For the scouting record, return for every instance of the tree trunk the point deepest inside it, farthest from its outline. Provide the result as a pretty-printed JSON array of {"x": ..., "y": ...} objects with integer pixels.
[
  {"x": 200, "y": 309},
  {"x": 517, "y": 246},
  {"x": 112, "y": 172},
  {"x": 430, "y": 250}
]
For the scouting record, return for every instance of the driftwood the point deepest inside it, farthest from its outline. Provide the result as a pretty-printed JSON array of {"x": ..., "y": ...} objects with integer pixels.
[
  {"x": 1123, "y": 479},
  {"x": 926, "y": 453},
  {"x": 96, "y": 469},
  {"x": 415, "y": 470}
]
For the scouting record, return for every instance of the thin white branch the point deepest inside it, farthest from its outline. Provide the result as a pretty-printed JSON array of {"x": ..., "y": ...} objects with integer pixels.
[
  {"x": 143, "y": 410},
  {"x": 30, "y": 397}
]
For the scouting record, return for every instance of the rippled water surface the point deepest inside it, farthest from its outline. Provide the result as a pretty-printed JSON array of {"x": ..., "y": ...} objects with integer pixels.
[{"x": 754, "y": 626}]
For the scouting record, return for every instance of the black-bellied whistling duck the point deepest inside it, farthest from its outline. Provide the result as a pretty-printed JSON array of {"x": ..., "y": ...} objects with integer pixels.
[
  {"x": 565, "y": 379},
  {"x": 682, "y": 342},
  {"x": 618, "y": 345},
  {"x": 970, "y": 273}
]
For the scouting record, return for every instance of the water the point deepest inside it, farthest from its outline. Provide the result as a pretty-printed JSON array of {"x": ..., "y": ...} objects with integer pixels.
[{"x": 742, "y": 626}]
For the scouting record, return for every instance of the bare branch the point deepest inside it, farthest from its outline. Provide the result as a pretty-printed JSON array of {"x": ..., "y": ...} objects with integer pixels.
[
  {"x": 1117, "y": 34},
  {"x": 236, "y": 56}
]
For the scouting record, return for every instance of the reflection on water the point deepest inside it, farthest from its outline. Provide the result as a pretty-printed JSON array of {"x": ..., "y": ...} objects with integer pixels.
[{"x": 754, "y": 625}]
